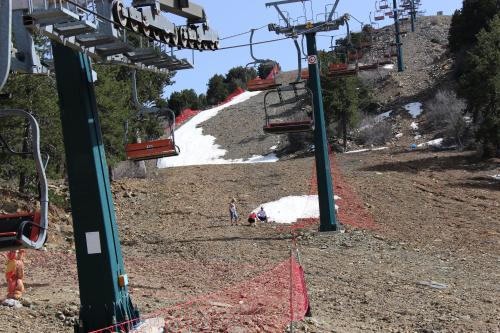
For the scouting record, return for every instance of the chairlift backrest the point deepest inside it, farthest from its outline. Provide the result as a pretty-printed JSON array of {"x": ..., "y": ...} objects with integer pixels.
[
  {"x": 27, "y": 230},
  {"x": 152, "y": 149},
  {"x": 289, "y": 109}
]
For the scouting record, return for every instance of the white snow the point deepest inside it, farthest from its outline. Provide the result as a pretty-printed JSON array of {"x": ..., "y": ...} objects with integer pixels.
[
  {"x": 414, "y": 126},
  {"x": 399, "y": 135},
  {"x": 365, "y": 150},
  {"x": 274, "y": 147},
  {"x": 383, "y": 116},
  {"x": 199, "y": 149},
  {"x": 388, "y": 66},
  {"x": 290, "y": 209},
  {"x": 432, "y": 143},
  {"x": 418, "y": 136},
  {"x": 415, "y": 109},
  {"x": 496, "y": 177}
]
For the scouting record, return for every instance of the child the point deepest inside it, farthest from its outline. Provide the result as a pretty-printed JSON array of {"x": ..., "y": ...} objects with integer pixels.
[
  {"x": 232, "y": 212},
  {"x": 252, "y": 218}
]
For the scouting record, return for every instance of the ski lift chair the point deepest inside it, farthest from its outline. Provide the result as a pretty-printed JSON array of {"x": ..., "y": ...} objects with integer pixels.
[
  {"x": 379, "y": 15},
  {"x": 152, "y": 149},
  {"x": 305, "y": 74},
  {"x": 383, "y": 4},
  {"x": 158, "y": 148},
  {"x": 259, "y": 84},
  {"x": 27, "y": 229},
  {"x": 289, "y": 110}
]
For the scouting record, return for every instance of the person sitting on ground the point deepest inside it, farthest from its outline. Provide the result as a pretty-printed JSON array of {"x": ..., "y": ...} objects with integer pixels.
[
  {"x": 232, "y": 212},
  {"x": 262, "y": 215},
  {"x": 252, "y": 218}
]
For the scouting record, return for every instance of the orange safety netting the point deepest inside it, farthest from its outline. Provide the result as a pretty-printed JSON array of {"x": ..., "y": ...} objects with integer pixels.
[
  {"x": 266, "y": 303},
  {"x": 352, "y": 210},
  {"x": 187, "y": 114}
]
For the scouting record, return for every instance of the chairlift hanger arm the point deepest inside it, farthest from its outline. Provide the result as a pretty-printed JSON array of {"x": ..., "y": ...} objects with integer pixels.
[
  {"x": 330, "y": 17},
  {"x": 40, "y": 167},
  {"x": 280, "y": 12},
  {"x": 5, "y": 39}
]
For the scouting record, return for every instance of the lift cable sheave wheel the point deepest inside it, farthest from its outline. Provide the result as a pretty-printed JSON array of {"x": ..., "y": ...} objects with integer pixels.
[
  {"x": 101, "y": 29},
  {"x": 26, "y": 230},
  {"x": 145, "y": 17}
]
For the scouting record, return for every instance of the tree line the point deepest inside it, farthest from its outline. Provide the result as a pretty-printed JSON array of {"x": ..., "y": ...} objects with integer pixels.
[
  {"x": 474, "y": 40},
  {"x": 38, "y": 95}
]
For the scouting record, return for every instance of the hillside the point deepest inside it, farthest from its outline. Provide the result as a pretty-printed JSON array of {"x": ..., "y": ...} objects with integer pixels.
[{"x": 419, "y": 252}]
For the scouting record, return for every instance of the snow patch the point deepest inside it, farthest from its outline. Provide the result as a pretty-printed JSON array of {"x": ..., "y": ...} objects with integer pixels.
[
  {"x": 199, "y": 149},
  {"x": 414, "y": 126},
  {"x": 383, "y": 116},
  {"x": 399, "y": 135},
  {"x": 415, "y": 109},
  {"x": 496, "y": 177},
  {"x": 365, "y": 150},
  {"x": 432, "y": 143},
  {"x": 388, "y": 66},
  {"x": 274, "y": 147},
  {"x": 290, "y": 209}
]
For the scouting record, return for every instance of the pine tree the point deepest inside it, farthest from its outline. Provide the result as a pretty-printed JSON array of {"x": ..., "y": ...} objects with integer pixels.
[{"x": 480, "y": 85}]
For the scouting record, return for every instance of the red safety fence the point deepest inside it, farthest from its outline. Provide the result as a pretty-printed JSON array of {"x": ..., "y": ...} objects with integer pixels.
[
  {"x": 235, "y": 93},
  {"x": 264, "y": 304},
  {"x": 259, "y": 305},
  {"x": 352, "y": 210},
  {"x": 187, "y": 114}
]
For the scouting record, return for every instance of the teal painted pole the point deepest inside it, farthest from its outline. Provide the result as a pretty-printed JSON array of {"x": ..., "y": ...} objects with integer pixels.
[
  {"x": 104, "y": 301},
  {"x": 399, "y": 45},
  {"x": 323, "y": 171}
]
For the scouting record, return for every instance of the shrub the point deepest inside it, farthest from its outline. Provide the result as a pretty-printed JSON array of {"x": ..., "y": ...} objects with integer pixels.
[
  {"x": 446, "y": 112},
  {"x": 374, "y": 132}
]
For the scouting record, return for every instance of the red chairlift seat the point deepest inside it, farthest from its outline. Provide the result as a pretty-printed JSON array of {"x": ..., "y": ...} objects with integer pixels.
[
  {"x": 289, "y": 127},
  {"x": 337, "y": 67},
  {"x": 341, "y": 70},
  {"x": 15, "y": 227},
  {"x": 304, "y": 74},
  {"x": 151, "y": 150},
  {"x": 259, "y": 84}
]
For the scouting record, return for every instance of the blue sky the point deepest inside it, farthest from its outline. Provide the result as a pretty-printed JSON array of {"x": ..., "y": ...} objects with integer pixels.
[{"x": 231, "y": 17}]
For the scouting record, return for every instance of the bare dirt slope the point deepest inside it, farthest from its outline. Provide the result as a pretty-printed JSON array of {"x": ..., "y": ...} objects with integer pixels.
[{"x": 437, "y": 217}]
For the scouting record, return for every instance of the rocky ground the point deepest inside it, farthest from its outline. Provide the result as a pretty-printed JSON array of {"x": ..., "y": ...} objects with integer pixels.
[
  {"x": 426, "y": 60},
  {"x": 431, "y": 264}
]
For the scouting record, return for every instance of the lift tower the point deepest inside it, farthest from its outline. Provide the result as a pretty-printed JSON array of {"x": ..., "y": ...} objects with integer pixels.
[
  {"x": 325, "y": 185},
  {"x": 82, "y": 32}
]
